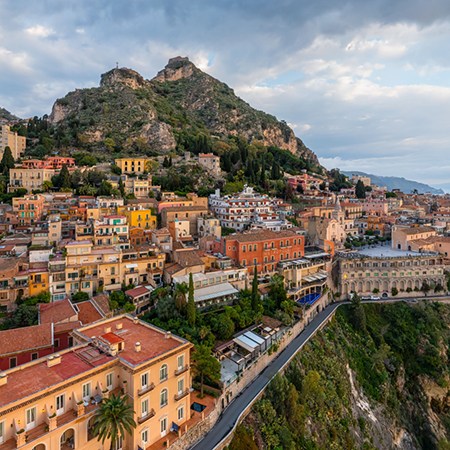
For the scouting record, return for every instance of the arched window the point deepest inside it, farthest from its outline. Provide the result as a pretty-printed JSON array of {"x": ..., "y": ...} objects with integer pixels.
[
  {"x": 164, "y": 398},
  {"x": 67, "y": 440},
  {"x": 163, "y": 373},
  {"x": 90, "y": 428},
  {"x": 39, "y": 447}
]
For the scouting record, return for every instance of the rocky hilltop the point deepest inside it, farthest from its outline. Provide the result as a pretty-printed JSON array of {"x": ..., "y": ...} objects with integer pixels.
[
  {"x": 130, "y": 112},
  {"x": 6, "y": 116}
]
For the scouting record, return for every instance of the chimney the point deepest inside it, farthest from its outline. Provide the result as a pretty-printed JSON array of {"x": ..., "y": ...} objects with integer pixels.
[
  {"x": 119, "y": 326},
  {"x": 53, "y": 360},
  {"x": 3, "y": 378},
  {"x": 137, "y": 347},
  {"x": 135, "y": 320},
  {"x": 168, "y": 335},
  {"x": 107, "y": 329}
]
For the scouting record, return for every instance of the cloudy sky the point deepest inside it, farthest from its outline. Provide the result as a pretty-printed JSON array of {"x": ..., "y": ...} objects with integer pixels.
[{"x": 365, "y": 84}]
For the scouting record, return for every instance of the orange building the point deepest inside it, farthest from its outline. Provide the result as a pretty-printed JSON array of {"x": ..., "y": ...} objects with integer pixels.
[
  {"x": 29, "y": 209},
  {"x": 263, "y": 248},
  {"x": 51, "y": 162}
]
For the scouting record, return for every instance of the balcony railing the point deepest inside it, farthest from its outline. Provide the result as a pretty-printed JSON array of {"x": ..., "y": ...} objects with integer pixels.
[
  {"x": 181, "y": 370},
  {"x": 182, "y": 394},
  {"x": 149, "y": 415},
  {"x": 146, "y": 389}
]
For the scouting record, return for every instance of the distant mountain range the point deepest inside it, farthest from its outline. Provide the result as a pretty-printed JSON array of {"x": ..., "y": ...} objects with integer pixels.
[{"x": 406, "y": 186}]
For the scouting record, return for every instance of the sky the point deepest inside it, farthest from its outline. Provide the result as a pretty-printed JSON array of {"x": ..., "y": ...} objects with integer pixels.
[{"x": 365, "y": 84}]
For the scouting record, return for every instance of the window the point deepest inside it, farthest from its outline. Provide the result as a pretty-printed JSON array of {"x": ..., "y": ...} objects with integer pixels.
[
  {"x": 30, "y": 418},
  {"x": 180, "y": 386},
  {"x": 12, "y": 362},
  {"x": 56, "y": 343},
  {"x": 70, "y": 341},
  {"x": 118, "y": 444},
  {"x": 109, "y": 381},
  {"x": 180, "y": 362},
  {"x": 86, "y": 391},
  {"x": 180, "y": 413},
  {"x": 163, "y": 426},
  {"x": 144, "y": 408},
  {"x": 2, "y": 432},
  {"x": 144, "y": 437},
  {"x": 144, "y": 380},
  {"x": 60, "y": 400},
  {"x": 164, "y": 398},
  {"x": 163, "y": 373}
]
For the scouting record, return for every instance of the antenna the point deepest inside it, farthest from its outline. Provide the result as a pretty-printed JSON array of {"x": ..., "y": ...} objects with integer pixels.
[{"x": 117, "y": 65}]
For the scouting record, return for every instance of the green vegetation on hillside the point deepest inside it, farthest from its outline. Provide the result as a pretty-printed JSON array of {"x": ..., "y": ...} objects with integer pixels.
[{"x": 396, "y": 352}]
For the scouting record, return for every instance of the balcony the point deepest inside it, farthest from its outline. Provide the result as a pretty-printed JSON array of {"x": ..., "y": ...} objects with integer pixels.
[
  {"x": 181, "y": 370},
  {"x": 149, "y": 415},
  {"x": 182, "y": 394},
  {"x": 146, "y": 389}
]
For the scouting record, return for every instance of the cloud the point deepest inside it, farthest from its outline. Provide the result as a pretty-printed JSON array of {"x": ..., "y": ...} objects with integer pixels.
[
  {"x": 39, "y": 31},
  {"x": 359, "y": 81}
]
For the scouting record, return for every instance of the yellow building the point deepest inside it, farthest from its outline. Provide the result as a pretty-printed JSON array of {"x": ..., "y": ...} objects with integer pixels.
[
  {"x": 133, "y": 165},
  {"x": 139, "y": 217},
  {"x": 38, "y": 281},
  {"x": 49, "y": 403},
  {"x": 29, "y": 179},
  {"x": 11, "y": 139}
]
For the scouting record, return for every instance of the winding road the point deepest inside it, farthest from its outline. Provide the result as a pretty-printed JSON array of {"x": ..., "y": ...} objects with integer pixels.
[{"x": 235, "y": 410}]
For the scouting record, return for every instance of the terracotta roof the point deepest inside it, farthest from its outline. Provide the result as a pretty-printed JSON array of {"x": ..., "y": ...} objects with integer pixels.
[
  {"x": 112, "y": 338},
  {"x": 261, "y": 235},
  {"x": 183, "y": 208},
  {"x": 66, "y": 326},
  {"x": 20, "y": 340},
  {"x": 188, "y": 258},
  {"x": 87, "y": 312},
  {"x": 137, "y": 291},
  {"x": 417, "y": 230},
  {"x": 173, "y": 268},
  {"x": 154, "y": 342},
  {"x": 102, "y": 303},
  {"x": 56, "y": 312},
  {"x": 26, "y": 381}
]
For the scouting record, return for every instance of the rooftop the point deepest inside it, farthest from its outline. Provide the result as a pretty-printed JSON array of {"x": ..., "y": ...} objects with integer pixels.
[
  {"x": 260, "y": 235},
  {"x": 29, "y": 379},
  {"x": 87, "y": 312},
  {"x": 384, "y": 251},
  {"x": 154, "y": 342},
  {"x": 56, "y": 311},
  {"x": 20, "y": 340}
]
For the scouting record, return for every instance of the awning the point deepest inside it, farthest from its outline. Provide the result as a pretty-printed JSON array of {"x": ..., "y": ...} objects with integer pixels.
[
  {"x": 254, "y": 337},
  {"x": 215, "y": 291},
  {"x": 245, "y": 346},
  {"x": 131, "y": 266},
  {"x": 317, "y": 255}
]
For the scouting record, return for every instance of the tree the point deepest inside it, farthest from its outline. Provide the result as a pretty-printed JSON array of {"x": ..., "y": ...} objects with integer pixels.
[
  {"x": 113, "y": 419},
  {"x": 256, "y": 298},
  {"x": 359, "y": 314},
  {"x": 121, "y": 188},
  {"x": 360, "y": 190},
  {"x": 191, "y": 303},
  {"x": 80, "y": 297},
  {"x": 47, "y": 185},
  {"x": 64, "y": 181},
  {"x": 425, "y": 287},
  {"x": 7, "y": 161},
  {"x": 205, "y": 365},
  {"x": 181, "y": 289}
]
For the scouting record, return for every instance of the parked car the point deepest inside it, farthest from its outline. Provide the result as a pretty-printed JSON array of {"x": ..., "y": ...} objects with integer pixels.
[{"x": 374, "y": 297}]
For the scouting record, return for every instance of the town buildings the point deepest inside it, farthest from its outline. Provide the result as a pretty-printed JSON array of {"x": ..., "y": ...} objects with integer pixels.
[
  {"x": 132, "y": 165},
  {"x": 210, "y": 162},
  {"x": 122, "y": 354}
]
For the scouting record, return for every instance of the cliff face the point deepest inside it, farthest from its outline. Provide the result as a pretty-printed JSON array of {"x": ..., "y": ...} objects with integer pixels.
[
  {"x": 150, "y": 114},
  {"x": 381, "y": 381}
]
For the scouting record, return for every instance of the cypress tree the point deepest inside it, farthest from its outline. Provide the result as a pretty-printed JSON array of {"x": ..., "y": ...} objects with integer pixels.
[
  {"x": 360, "y": 190},
  {"x": 191, "y": 303},
  {"x": 7, "y": 161},
  {"x": 255, "y": 292},
  {"x": 64, "y": 178}
]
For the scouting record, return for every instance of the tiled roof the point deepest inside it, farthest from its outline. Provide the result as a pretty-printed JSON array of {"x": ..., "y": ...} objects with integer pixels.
[
  {"x": 26, "y": 381},
  {"x": 19, "y": 340},
  {"x": 87, "y": 312},
  {"x": 102, "y": 303},
  {"x": 56, "y": 312},
  {"x": 416, "y": 230},
  {"x": 261, "y": 235}
]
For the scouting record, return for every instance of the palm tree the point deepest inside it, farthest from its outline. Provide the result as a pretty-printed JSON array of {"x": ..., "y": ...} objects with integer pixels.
[
  {"x": 181, "y": 289},
  {"x": 113, "y": 419}
]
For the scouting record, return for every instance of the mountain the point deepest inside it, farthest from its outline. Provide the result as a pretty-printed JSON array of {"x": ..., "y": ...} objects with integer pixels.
[
  {"x": 131, "y": 113},
  {"x": 376, "y": 379},
  {"x": 406, "y": 186},
  {"x": 5, "y": 115}
]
